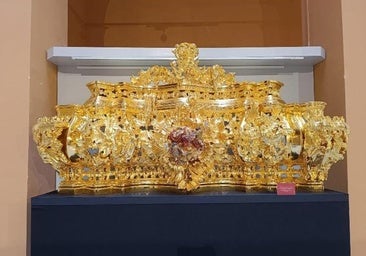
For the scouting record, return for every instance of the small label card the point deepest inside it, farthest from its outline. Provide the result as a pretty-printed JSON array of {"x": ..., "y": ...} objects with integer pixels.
[{"x": 286, "y": 189}]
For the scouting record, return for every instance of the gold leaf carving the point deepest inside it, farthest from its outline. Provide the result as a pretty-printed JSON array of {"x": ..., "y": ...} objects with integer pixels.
[{"x": 188, "y": 128}]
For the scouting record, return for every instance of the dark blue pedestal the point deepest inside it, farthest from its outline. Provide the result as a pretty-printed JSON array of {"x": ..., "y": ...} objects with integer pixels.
[{"x": 223, "y": 223}]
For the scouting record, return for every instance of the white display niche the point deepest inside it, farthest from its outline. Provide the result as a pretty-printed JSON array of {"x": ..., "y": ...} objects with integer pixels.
[{"x": 291, "y": 65}]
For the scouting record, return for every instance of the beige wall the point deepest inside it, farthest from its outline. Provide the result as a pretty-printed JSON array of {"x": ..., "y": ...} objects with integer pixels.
[
  {"x": 48, "y": 28},
  {"x": 86, "y": 22},
  {"x": 354, "y": 41},
  {"x": 14, "y": 108},
  {"x": 28, "y": 28},
  {"x": 165, "y": 23}
]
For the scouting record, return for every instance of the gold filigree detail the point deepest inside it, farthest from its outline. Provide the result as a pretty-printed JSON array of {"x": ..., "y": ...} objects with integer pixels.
[
  {"x": 185, "y": 70},
  {"x": 187, "y": 128}
]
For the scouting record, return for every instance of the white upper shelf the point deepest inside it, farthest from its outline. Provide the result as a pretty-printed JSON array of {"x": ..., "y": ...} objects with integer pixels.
[{"x": 242, "y": 60}]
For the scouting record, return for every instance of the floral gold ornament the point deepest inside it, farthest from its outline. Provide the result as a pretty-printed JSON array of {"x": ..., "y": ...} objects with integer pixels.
[{"x": 189, "y": 128}]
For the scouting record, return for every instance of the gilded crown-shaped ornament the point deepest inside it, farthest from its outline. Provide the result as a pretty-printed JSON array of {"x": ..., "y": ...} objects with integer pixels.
[{"x": 189, "y": 128}]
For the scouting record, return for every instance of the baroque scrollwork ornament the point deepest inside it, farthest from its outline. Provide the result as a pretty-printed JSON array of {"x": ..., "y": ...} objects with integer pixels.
[{"x": 189, "y": 128}]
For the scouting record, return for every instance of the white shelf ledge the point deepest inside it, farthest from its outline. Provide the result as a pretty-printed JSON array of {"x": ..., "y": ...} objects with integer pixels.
[{"x": 242, "y": 60}]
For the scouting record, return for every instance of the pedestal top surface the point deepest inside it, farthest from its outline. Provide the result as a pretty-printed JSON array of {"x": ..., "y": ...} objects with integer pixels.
[{"x": 220, "y": 197}]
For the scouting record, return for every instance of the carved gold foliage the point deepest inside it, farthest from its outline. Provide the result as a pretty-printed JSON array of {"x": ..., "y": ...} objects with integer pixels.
[
  {"x": 188, "y": 128},
  {"x": 184, "y": 71},
  {"x": 48, "y": 134}
]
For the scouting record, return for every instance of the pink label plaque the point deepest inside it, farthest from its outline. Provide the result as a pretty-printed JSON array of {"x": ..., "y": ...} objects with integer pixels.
[{"x": 286, "y": 188}]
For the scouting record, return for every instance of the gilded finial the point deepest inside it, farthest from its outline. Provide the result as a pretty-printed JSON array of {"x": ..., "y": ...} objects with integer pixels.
[
  {"x": 184, "y": 71},
  {"x": 186, "y": 55}
]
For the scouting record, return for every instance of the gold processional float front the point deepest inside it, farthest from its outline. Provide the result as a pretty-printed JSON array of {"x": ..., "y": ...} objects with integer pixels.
[{"x": 189, "y": 128}]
